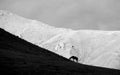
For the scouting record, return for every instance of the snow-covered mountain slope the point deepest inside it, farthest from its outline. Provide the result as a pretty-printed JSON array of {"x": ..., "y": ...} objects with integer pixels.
[
  {"x": 92, "y": 47},
  {"x": 99, "y": 48},
  {"x": 31, "y": 30}
]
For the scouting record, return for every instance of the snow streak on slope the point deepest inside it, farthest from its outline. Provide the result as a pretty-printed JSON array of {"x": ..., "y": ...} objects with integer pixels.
[{"x": 92, "y": 47}]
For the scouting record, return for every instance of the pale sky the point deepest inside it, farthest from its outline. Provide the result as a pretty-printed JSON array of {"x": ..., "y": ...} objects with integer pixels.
[{"x": 75, "y": 14}]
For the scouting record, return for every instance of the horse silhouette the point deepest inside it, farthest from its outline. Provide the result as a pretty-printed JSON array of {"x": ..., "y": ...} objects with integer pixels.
[{"x": 74, "y": 58}]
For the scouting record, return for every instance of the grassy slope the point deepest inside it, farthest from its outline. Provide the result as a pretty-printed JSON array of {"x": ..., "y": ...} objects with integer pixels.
[{"x": 20, "y": 57}]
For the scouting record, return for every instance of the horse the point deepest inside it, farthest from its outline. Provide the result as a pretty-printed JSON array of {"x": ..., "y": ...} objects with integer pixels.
[{"x": 74, "y": 58}]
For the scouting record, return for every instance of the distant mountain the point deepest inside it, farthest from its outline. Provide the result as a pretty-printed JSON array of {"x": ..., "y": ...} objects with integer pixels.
[
  {"x": 31, "y": 30},
  {"x": 20, "y": 57},
  {"x": 92, "y": 47}
]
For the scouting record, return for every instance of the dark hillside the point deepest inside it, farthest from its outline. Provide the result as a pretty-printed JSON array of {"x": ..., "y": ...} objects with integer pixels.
[{"x": 20, "y": 57}]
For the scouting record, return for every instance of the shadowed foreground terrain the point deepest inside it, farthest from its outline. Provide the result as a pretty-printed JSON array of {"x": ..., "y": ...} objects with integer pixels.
[{"x": 20, "y": 57}]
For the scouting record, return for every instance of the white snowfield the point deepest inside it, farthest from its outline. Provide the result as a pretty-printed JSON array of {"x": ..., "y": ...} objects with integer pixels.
[{"x": 92, "y": 47}]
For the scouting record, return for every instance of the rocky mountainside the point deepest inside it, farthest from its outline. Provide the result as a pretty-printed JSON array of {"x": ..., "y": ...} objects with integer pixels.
[{"x": 92, "y": 47}]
